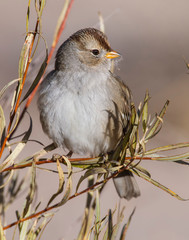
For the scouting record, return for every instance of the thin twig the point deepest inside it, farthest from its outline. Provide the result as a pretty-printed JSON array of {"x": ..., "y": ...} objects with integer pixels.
[
  {"x": 30, "y": 98},
  {"x": 73, "y": 160},
  {"x": 62, "y": 26},
  {"x": 71, "y": 197}
]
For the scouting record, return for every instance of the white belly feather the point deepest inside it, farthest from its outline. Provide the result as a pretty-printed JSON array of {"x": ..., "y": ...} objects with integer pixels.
[{"x": 79, "y": 120}]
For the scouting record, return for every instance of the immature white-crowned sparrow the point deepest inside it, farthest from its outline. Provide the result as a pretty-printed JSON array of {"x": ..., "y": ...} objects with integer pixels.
[{"x": 83, "y": 105}]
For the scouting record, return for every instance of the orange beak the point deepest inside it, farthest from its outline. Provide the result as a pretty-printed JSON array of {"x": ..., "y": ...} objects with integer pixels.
[{"x": 112, "y": 54}]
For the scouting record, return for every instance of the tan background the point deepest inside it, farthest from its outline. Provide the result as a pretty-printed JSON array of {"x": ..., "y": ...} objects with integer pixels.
[{"x": 152, "y": 36}]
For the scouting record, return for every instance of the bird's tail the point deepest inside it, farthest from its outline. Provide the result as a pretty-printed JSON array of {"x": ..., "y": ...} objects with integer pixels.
[{"x": 126, "y": 185}]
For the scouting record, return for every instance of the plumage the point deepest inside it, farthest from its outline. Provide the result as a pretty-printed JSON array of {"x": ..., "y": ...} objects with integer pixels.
[{"x": 82, "y": 105}]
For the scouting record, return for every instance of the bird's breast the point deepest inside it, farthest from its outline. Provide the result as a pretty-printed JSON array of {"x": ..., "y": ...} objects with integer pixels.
[{"x": 85, "y": 119}]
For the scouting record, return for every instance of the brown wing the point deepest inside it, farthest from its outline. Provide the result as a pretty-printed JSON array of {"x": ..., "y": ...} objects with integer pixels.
[{"x": 122, "y": 99}]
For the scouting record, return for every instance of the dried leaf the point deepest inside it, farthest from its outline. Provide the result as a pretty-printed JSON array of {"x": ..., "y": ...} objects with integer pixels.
[
  {"x": 141, "y": 169},
  {"x": 24, "y": 56},
  {"x": 154, "y": 128},
  {"x": 85, "y": 232},
  {"x": 8, "y": 85},
  {"x": 157, "y": 184},
  {"x": 28, "y": 16},
  {"x": 8, "y": 180},
  {"x": 60, "y": 20},
  {"x": 167, "y": 148},
  {"x": 2, "y": 125},
  {"x": 34, "y": 230},
  {"x": 134, "y": 134},
  {"x": 111, "y": 231},
  {"x": 110, "y": 225},
  {"x": 44, "y": 224},
  {"x": 2, "y": 234},
  {"x": 84, "y": 163},
  {"x": 88, "y": 173},
  {"x": 23, "y": 62},
  {"x": 23, "y": 226},
  {"x": 61, "y": 183},
  {"x": 31, "y": 234},
  {"x": 97, "y": 219},
  {"x": 30, "y": 197},
  {"x": 68, "y": 184},
  {"x": 101, "y": 22},
  {"x": 10, "y": 159},
  {"x": 178, "y": 157},
  {"x": 41, "y": 7},
  {"x": 126, "y": 226},
  {"x": 38, "y": 77},
  {"x": 145, "y": 112}
]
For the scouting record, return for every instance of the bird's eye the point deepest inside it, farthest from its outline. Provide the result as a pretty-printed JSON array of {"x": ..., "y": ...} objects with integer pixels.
[{"x": 95, "y": 52}]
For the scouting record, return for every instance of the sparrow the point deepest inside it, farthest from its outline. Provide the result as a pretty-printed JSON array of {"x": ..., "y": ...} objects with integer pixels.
[{"x": 83, "y": 105}]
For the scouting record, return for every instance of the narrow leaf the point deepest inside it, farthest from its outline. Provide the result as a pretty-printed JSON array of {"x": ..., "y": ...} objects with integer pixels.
[
  {"x": 25, "y": 54},
  {"x": 68, "y": 184},
  {"x": 38, "y": 77},
  {"x": 10, "y": 159},
  {"x": 8, "y": 180},
  {"x": 126, "y": 226},
  {"x": 88, "y": 173},
  {"x": 157, "y": 123},
  {"x": 28, "y": 16},
  {"x": 157, "y": 184},
  {"x": 174, "y": 158},
  {"x": 8, "y": 85},
  {"x": 2, "y": 234},
  {"x": 61, "y": 183},
  {"x": 110, "y": 225},
  {"x": 145, "y": 112},
  {"x": 23, "y": 226},
  {"x": 167, "y": 148},
  {"x": 60, "y": 20},
  {"x": 30, "y": 197},
  {"x": 42, "y": 5},
  {"x": 2, "y": 125}
]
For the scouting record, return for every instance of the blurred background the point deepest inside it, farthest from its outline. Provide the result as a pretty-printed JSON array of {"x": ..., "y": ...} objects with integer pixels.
[{"x": 153, "y": 38}]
